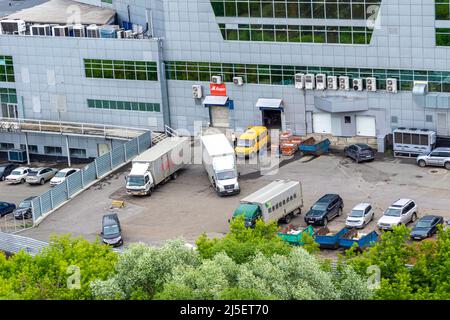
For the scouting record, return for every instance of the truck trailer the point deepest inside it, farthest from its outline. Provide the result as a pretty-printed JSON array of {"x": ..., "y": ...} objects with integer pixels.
[
  {"x": 219, "y": 160},
  {"x": 157, "y": 165},
  {"x": 278, "y": 201}
]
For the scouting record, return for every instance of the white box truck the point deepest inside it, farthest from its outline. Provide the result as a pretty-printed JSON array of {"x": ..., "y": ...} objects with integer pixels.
[
  {"x": 156, "y": 165},
  {"x": 279, "y": 200},
  {"x": 219, "y": 160}
]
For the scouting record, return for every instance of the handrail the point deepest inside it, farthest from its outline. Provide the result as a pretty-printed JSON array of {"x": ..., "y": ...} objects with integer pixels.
[{"x": 170, "y": 131}]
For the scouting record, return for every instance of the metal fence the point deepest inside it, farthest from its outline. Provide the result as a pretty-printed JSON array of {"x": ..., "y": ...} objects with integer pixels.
[{"x": 93, "y": 171}]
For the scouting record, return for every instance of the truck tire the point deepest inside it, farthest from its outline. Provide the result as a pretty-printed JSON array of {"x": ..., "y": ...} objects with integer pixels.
[
  {"x": 174, "y": 175},
  {"x": 288, "y": 218}
]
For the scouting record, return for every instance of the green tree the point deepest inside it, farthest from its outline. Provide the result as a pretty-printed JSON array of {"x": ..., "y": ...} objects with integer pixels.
[
  {"x": 46, "y": 275},
  {"x": 243, "y": 243}
]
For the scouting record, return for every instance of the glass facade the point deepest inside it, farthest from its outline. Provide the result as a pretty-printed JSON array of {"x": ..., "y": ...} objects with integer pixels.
[
  {"x": 8, "y": 95},
  {"x": 124, "y": 105},
  {"x": 6, "y": 69},
  {"x": 118, "y": 69},
  {"x": 294, "y": 33},
  {"x": 305, "y": 9},
  {"x": 438, "y": 81}
]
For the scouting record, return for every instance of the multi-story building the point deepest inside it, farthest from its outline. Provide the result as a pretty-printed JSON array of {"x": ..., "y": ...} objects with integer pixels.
[{"x": 343, "y": 67}]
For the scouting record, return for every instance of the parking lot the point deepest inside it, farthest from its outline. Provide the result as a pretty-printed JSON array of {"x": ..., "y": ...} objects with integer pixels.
[
  {"x": 188, "y": 206},
  {"x": 16, "y": 193}
]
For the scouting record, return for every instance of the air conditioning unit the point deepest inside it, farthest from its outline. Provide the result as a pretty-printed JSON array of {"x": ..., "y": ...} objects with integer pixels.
[
  {"x": 371, "y": 84},
  {"x": 321, "y": 81},
  {"x": 61, "y": 31},
  {"x": 344, "y": 83},
  {"x": 197, "y": 91},
  {"x": 13, "y": 27},
  {"x": 332, "y": 82},
  {"x": 93, "y": 31},
  {"x": 109, "y": 31},
  {"x": 216, "y": 79},
  {"x": 79, "y": 31},
  {"x": 391, "y": 85},
  {"x": 41, "y": 30},
  {"x": 239, "y": 81},
  {"x": 358, "y": 84},
  {"x": 120, "y": 34},
  {"x": 128, "y": 34},
  {"x": 310, "y": 82},
  {"x": 299, "y": 80}
]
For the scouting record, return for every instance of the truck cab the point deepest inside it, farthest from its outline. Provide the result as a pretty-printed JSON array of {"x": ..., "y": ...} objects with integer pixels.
[
  {"x": 251, "y": 213},
  {"x": 225, "y": 175},
  {"x": 139, "y": 181}
]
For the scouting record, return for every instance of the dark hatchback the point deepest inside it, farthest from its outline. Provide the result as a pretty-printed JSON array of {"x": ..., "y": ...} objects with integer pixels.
[
  {"x": 426, "y": 227},
  {"x": 24, "y": 210},
  {"x": 111, "y": 230},
  {"x": 359, "y": 152},
  {"x": 6, "y": 169},
  {"x": 325, "y": 209}
]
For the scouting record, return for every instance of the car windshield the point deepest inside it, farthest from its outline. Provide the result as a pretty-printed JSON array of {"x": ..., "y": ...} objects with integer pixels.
[
  {"x": 357, "y": 213},
  {"x": 245, "y": 143},
  {"x": 135, "y": 181},
  {"x": 110, "y": 230},
  {"x": 25, "y": 204},
  {"x": 16, "y": 173},
  {"x": 2, "y": 169},
  {"x": 61, "y": 174},
  {"x": 33, "y": 173},
  {"x": 320, "y": 207},
  {"x": 392, "y": 212},
  {"x": 423, "y": 224},
  {"x": 225, "y": 175}
]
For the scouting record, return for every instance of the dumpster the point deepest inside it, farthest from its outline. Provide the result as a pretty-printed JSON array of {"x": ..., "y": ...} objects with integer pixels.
[
  {"x": 327, "y": 239},
  {"x": 294, "y": 236},
  {"x": 362, "y": 240},
  {"x": 309, "y": 146}
]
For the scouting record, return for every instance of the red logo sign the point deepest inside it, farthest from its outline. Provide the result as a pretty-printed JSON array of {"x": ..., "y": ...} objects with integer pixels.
[{"x": 218, "y": 89}]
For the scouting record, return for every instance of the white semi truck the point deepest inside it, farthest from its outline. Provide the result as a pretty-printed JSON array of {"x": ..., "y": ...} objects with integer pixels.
[
  {"x": 157, "y": 164},
  {"x": 219, "y": 160},
  {"x": 279, "y": 200}
]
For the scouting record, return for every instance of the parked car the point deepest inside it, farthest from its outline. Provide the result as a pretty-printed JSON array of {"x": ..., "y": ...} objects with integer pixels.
[
  {"x": 439, "y": 157},
  {"x": 40, "y": 175},
  {"x": 360, "y": 216},
  {"x": 6, "y": 169},
  {"x": 111, "y": 230},
  {"x": 18, "y": 175},
  {"x": 24, "y": 210},
  {"x": 6, "y": 208},
  {"x": 400, "y": 212},
  {"x": 62, "y": 175},
  {"x": 426, "y": 227},
  {"x": 324, "y": 210},
  {"x": 359, "y": 152}
]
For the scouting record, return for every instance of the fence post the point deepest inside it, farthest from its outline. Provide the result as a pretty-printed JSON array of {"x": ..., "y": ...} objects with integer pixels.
[
  {"x": 67, "y": 189},
  {"x": 125, "y": 151},
  {"x": 138, "y": 146},
  {"x": 96, "y": 169},
  {"x": 82, "y": 178},
  {"x": 51, "y": 198},
  {"x": 40, "y": 206},
  {"x": 111, "y": 159}
]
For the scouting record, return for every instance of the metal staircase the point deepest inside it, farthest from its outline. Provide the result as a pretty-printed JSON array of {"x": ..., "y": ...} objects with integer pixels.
[{"x": 160, "y": 136}]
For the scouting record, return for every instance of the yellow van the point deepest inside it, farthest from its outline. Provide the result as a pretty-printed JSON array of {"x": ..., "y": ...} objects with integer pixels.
[{"x": 252, "y": 141}]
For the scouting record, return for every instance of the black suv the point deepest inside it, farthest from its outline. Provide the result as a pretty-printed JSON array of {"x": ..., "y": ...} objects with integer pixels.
[
  {"x": 6, "y": 169},
  {"x": 111, "y": 230},
  {"x": 359, "y": 152},
  {"x": 325, "y": 209}
]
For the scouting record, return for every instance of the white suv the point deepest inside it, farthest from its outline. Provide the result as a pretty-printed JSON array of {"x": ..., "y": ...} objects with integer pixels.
[
  {"x": 360, "y": 216},
  {"x": 400, "y": 212}
]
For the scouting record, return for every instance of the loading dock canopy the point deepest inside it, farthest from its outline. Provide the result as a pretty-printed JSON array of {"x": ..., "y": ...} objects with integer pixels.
[
  {"x": 62, "y": 11},
  {"x": 215, "y": 100},
  {"x": 336, "y": 104},
  {"x": 264, "y": 103}
]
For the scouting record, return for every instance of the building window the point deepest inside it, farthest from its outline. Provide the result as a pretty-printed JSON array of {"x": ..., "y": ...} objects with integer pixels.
[
  {"x": 107, "y": 1},
  {"x": 429, "y": 118},
  {"x": 438, "y": 81},
  {"x": 118, "y": 69},
  {"x": 31, "y": 148},
  {"x": 306, "y": 9},
  {"x": 124, "y": 105},
  {"x": 6, "y": 146},
  {"x": 8, "y": 95},
  {"x": 442, "y": 9},
  {"x": 348, "y": 119},
  {"x": 293, "y": 33},
  {"x": 53, "y": 151},
  {"x": 6, "y": 69},
  {"x": 394, "y": 119},
  {"x": 77, "y": 153}
]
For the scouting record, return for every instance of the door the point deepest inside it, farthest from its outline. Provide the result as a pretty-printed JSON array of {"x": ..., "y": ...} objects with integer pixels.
[
  {"x": 368, "y": 215},
  {"x": 442, "y": 124},
  {"x": 365, "y": 126},
  {"x": 434, "y": 158},
  {"x": 102, "y": 148},
  {"x": 271, "y": 119},
  {"x": 322, "y": 122},
  {"x": 219, "y": 116}
]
